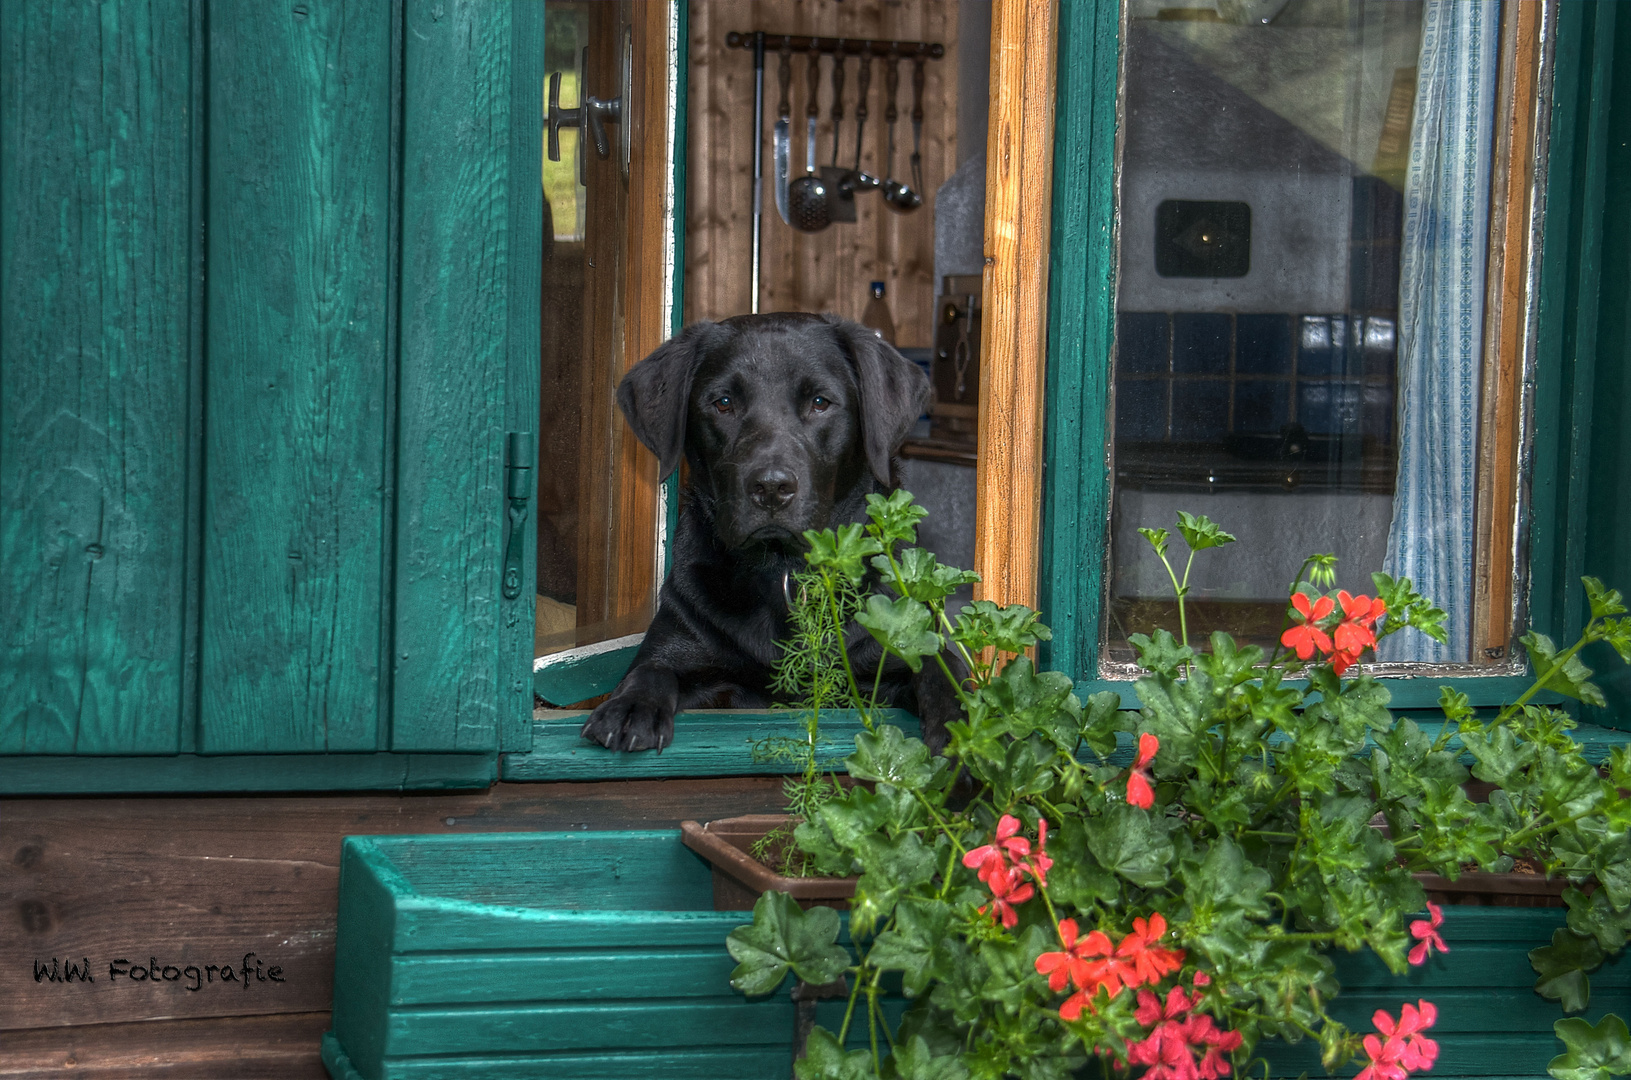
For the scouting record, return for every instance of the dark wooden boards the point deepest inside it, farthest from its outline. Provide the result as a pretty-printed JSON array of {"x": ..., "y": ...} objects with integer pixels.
[
  {"x": 208, "y": 879},
  {"x": 95, "y": 324},
  {"x": 278, "y": 1047}
]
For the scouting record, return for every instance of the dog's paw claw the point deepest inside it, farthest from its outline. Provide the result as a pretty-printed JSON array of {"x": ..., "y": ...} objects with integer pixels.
[{"x": 630, "y": 724}]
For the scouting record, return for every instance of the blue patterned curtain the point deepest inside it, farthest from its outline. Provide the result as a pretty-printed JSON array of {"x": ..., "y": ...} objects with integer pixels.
[{"x": 1441, "y": 318}]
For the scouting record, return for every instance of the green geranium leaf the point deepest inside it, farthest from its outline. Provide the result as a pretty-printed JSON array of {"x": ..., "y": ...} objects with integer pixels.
[
  {"x": 1161, "y": 654},
  {"x": 1201, "y": 532},
  {"x": 1594, "y": 916},
  {"x": 1598, "y": 1052},
  {"x": 1130, "y": 842},
  {"x": 1604, "y": 601},
  {"x": 1011, "y": 629},
  {"x": 1455, "y": 705},
  {"x": 1077, "y": 880},
  {"x": 924, "y": 578},
  {"x": 1562, "y": 967},
  {"x": 1407, "y": 607},
  {"x": 891, "y": 868},
  {"x": 1101, "y": 721},
  {"x": 1033, "y": 701},
  {"x": 895, "y": 517},
  {"x": 1571, "y": 678},
  {"x": 1617, "y": 632},
  {"x": 902, "y": 626},
  {"x": 915, "y": 1061},
  {"x": 1157, "y": 539},
  {"x": 914, "y": 944},
  {"x": 1228, "y": 665},
  {"x": 784, "y": 937},
  {"x": 824, "y": 1059},
  {"x": 843, "y": 550},
  {"x": 890, "y": 756}
]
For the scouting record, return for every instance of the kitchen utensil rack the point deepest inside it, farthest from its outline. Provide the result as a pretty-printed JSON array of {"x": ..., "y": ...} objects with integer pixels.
[{"x": 799, "y": 43}]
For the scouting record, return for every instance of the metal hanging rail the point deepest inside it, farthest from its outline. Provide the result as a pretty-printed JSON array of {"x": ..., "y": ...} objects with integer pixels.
[{"x": 933, "y": 50}]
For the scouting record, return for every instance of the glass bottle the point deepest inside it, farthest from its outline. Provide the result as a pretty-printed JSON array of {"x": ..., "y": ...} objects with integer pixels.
[{"x": 877, "y": 314}]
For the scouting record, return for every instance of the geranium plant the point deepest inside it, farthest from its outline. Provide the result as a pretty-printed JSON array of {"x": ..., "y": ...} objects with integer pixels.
[{"x": 1046, "y": 900}]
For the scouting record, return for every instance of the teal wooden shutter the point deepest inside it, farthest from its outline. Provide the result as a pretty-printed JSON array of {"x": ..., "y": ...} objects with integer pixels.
[{"x": 265, "y": 275}]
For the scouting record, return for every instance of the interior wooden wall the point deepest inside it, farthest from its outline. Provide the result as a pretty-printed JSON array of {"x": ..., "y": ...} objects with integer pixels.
[{"x": 829, "y": 270}]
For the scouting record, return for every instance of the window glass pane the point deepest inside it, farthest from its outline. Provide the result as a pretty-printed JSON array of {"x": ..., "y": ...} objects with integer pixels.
[{"x": 1304, "y": 220}]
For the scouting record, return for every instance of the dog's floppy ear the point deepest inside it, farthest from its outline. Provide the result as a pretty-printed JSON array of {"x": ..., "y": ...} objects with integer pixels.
[
  {"x": 655, "y": 394},
  {"x": 894, "y": 392}
]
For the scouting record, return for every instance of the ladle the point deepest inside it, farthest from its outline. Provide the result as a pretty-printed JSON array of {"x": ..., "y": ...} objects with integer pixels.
[
  {"x": 897, "y": 196},
  {"x": 856, "y": 180},
  {"x": 809, "y": 203}
]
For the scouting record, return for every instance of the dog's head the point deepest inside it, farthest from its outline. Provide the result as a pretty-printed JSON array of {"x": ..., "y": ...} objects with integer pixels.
[{"x": 779, "y": 416}]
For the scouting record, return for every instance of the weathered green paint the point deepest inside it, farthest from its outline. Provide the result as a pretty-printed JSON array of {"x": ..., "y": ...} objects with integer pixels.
[
  {"x": 39, "y": 774},
  {"x": 715, "y": 742},
  {"x": 268, "y": 303},
  {"x": 1081, "y": 322},
  {"x": 560, "y": 954},
  {"x": 585, "y": 673},
  {"x": 96, "y": 127},
  {"x": 526, "y": 208},
  {"x": 299, "y": 196}
]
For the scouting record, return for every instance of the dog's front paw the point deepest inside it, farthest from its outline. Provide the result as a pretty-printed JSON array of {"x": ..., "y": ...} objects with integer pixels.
[{"x": 631, "y": 722}]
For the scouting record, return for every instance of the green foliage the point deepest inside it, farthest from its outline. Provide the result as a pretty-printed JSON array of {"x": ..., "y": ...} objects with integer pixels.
[
  {"x": 1598, "y": 1052},
  {"x": 785, "y": 938},
  {"x": 1231, "y": 818}
]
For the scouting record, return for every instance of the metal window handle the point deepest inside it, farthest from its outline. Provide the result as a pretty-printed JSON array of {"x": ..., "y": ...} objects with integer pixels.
[{"x": 594, "y": 114}]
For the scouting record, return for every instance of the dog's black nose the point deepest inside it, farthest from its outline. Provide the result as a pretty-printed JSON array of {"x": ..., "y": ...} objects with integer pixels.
[{"x": 773, "y": 489}]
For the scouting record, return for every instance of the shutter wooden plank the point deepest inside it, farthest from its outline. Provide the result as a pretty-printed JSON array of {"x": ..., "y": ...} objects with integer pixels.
[
  {"x": 526, "y": 227},
  {"x": 454, "y": 323},
  {"x": 95, "y": 166},
  {"x": 298, "y": 249}
]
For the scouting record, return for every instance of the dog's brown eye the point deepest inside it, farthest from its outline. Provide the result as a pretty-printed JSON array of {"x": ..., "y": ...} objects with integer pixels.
[
  {"x": 724, "y": 405},
  {"x": 819, "y": 403}
]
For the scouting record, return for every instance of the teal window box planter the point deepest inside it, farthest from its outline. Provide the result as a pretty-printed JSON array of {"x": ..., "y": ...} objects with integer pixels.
[
  {"x": 599, "y": 954},
  {"x": 566, "y": 955}
]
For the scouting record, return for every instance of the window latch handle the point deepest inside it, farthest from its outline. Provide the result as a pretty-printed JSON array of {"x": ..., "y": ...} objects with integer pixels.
[{"x": 518, "y": 489}]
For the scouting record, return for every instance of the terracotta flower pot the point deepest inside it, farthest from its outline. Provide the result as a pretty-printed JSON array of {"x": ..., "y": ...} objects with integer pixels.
[{"x": 739, "y": 878}]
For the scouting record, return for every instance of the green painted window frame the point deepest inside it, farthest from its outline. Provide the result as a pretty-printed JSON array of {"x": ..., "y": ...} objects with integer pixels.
[{"x": 1589, "y": 116}]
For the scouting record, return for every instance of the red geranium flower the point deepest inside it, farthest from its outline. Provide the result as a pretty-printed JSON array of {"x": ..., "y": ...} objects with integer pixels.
[
  {"x": 1425, "y": 931},
  {"x": 1011, "y": 851},
  {"x": 1305, "y": 637},
  {"x": 1087, "y": 963},
  {"x": 1149, "y": 962},
  {"x": 1405, "y": 1049},
  {"x": 1006, "y": 891},
  {"x": 1139, "y": 791},
  {"x": 1175, "y": 1038},
  {"x": 1359, "y": 614}
]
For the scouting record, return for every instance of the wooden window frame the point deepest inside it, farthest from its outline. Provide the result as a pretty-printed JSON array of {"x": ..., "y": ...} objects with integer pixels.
[{"x": 1046, "y": 431}]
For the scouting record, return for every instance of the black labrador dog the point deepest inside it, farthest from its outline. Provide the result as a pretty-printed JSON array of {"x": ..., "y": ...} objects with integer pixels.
[{"x": 788, "y": 422}]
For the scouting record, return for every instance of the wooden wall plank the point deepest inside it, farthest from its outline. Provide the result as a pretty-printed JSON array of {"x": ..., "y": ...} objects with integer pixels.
[
  {"x": 280, "y": 1047},
  {"x": 829, "y": 270},
  {"x": 454, "y": 319},
  {"x": 299, "y": 192},
  {"x": 208, "y": 879},
  {"x": 95, "y": 226},
  {"x": 1013, "y": 346}
]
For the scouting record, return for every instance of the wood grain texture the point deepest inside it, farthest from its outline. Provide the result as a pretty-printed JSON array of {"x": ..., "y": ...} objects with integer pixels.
[
  {"x": 95, "y": 315},
  {"x": 1507, "y": 324},
  {"x": 1013, "y": 346},
  {"x": 525, "y": 226},
  {"x": 454, "y": 323},
  {"x": 829, "y": 270},
  {"x": 299, "y": 192},
  {"x": 208, "y": 879},
  {"x": 277, "y": 1047},
  {"x": 1081, "y": 328}
]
